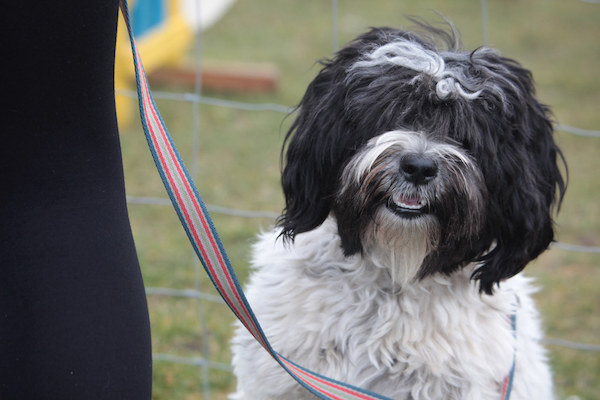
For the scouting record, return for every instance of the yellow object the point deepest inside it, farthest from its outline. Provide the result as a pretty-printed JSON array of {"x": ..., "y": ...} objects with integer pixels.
[{"x": 162, "y": 46}]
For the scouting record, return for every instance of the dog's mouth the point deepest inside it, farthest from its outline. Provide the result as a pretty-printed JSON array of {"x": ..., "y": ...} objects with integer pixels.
[{"x": 408, "y": 206}]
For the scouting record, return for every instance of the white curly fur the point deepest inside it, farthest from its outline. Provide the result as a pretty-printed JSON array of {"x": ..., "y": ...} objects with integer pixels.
[{"x": 437, "y": 338}]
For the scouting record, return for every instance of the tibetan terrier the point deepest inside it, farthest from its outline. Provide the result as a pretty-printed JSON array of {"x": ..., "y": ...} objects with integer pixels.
[{"x": 419, "y": 181}]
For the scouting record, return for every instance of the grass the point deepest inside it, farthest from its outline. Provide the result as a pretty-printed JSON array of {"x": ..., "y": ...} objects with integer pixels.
[{"x": 239, "y": 165}]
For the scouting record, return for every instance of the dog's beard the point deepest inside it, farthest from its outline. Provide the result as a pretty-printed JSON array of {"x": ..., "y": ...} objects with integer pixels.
[
  {"x": 399, "y": 245},
  {"x": 411, "y": 229}
]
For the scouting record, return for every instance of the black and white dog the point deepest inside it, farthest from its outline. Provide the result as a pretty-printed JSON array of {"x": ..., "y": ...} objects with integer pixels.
[{"x": 419, "y": 182}]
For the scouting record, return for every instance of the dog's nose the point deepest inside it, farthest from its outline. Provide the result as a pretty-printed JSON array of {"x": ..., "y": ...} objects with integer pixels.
[{"x": 418, "y": 169}]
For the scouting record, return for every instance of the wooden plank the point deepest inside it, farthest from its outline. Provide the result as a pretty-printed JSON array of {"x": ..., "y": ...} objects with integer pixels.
[{"x": 234, "y": 78}]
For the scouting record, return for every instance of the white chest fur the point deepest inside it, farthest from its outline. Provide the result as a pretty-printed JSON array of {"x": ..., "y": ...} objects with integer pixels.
[{"x": 438, "y": 338}]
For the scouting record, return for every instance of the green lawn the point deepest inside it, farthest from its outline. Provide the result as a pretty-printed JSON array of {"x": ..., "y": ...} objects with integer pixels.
[{"x": 239, "y": 164}]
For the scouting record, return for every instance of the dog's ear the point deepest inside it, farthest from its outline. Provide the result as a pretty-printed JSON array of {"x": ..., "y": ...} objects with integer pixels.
[
  {"x": 320, "y": 141},
  {"x": 315, "y": 150},
  {"x": 524, "y": 182}
]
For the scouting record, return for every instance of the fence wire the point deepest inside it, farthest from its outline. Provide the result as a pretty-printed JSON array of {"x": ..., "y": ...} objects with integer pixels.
[{"x": 196, "y": 293}]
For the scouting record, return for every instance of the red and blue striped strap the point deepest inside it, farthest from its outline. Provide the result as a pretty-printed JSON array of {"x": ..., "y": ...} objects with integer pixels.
[
  {"x": 205, "y": 240},
  {"x": 507, "y": 384}
]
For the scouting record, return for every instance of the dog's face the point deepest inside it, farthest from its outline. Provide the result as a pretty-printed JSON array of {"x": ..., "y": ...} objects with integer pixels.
[{"x": 445, "y": 155}]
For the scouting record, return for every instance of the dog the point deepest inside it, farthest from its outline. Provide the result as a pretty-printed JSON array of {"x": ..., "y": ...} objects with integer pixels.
[{"x": 419, "y": 181}]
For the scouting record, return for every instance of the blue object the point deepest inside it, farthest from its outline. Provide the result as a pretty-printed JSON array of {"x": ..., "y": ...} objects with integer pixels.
[{"x": 147, "y": 15}]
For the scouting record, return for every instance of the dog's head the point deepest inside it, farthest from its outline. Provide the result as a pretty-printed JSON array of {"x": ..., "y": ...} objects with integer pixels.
[{"x": 405, "y": 143}]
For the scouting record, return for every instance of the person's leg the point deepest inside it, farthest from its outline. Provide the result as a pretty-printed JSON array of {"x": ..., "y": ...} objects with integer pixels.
[{"x": 73, "y": 314}]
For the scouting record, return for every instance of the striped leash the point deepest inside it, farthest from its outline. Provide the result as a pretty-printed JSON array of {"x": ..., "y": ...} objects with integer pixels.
[
  {"x": 507, "y": 384},
  {"x": 206, "y": 243},
  {"x": 204, "y": 238}
]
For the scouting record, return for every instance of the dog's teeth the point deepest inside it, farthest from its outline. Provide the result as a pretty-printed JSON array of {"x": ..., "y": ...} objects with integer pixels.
[
  {"x": 410, "y": 203},
  {"x": 411, "y": 206}
]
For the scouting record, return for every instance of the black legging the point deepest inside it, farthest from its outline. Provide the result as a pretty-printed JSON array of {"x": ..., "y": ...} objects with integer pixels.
[{"x": 73, "y": 314}]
